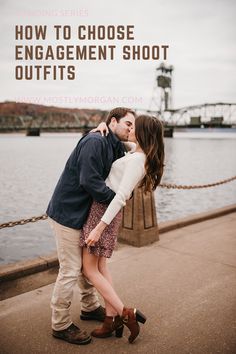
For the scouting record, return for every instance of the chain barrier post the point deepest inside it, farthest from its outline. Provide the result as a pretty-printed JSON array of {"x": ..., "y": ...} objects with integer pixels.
[{"x": 139, "y": 223}]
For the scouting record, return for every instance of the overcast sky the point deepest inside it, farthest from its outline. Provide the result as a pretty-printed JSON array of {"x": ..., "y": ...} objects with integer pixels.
[{"x": 201, "y": 37}]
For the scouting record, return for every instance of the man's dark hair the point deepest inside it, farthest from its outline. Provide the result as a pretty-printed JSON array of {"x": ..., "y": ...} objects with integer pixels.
[{"x": 118, "y": 113}]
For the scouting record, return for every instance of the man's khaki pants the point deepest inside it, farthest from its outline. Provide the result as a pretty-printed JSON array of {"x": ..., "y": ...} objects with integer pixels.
[{"x": 70, "y": 260}]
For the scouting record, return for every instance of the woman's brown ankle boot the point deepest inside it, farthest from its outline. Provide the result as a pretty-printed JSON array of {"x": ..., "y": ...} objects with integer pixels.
[
  {"x": 130, "y": 318},
  {"x": 110, "y": 325}
]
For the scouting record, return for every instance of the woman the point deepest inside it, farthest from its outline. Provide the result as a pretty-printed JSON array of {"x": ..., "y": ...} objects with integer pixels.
[{"x": 143, "y": 167}]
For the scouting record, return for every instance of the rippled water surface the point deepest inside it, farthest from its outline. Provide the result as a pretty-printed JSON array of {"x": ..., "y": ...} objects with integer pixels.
[{"x": 30, "y": 167}]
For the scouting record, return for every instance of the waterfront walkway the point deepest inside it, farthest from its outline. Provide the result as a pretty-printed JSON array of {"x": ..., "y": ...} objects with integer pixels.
[{"x": 185, "y": 284}]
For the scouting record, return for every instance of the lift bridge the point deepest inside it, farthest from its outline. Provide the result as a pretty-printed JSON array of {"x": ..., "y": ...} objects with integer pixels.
[{"x": 207, "y": 115}]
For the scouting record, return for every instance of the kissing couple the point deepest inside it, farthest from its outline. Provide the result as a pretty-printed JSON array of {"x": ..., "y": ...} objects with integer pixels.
[{"x": 85, "y": 213}]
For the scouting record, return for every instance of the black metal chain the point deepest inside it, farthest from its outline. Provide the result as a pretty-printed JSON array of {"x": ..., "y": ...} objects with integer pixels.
[{"x": 162, "y": 185}]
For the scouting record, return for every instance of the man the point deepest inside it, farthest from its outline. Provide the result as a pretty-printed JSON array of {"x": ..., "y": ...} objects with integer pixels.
[{"x": 82, "y": 181}]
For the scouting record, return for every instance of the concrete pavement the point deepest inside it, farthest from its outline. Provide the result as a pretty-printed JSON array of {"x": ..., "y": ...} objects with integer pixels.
[{"x": 185, "y": 284}]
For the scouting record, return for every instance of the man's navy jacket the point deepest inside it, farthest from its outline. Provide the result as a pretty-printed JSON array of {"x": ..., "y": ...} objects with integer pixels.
[{"x": 83, "y": 179}]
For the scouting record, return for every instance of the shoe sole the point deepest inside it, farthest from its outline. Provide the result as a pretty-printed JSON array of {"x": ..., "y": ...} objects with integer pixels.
[
  {"x": 84, "y": 342},
  {"x": 102, "y": 336},
  {"x": 85, "y": 318}
]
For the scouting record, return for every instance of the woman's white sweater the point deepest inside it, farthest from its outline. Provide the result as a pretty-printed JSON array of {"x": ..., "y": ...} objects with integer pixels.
[{"x": 125, "y": 174}]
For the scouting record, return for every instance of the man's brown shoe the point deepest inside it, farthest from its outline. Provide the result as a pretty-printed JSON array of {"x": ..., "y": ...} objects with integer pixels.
[
  {"x": 96, "y": 315},
  {"x": 73, "y": 335}
]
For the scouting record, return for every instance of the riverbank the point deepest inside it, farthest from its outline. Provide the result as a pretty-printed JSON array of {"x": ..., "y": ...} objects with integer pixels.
[{"x": 185, "y": 284}]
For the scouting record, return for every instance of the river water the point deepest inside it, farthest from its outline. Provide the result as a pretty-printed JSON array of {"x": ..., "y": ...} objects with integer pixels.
[{"x": 30, "y": 167}]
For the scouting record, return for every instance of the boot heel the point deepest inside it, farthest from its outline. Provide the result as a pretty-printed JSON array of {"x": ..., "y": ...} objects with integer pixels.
[
  {"x": 119, "y": 332},
  {"x": 140, "y": 316}
]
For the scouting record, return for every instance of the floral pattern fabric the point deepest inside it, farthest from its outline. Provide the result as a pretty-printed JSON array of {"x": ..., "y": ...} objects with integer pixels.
[{"x": 106, "y": 244}]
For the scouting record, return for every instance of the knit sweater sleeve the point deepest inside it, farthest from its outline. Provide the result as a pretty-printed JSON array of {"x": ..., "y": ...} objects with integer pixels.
[{"x": 133, "y": 173}]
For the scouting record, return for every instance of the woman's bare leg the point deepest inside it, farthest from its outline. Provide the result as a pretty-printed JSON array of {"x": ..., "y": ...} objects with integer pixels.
[
  {"x": 103, "y": 269},
  {"x": 91, "y": 271}
]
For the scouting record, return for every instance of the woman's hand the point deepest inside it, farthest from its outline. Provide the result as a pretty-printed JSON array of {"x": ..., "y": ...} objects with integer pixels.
[
  {"x": 95, "y": 234},
  {"x": 102, "y": 128}
]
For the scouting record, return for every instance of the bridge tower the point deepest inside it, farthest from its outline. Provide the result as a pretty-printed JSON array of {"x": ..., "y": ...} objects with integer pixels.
[{"x": 162, "y": 92}]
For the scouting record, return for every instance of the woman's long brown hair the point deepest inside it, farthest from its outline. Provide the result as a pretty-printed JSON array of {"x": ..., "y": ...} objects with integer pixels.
[{"x": 149, "y": 134}]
